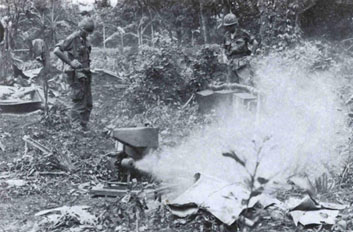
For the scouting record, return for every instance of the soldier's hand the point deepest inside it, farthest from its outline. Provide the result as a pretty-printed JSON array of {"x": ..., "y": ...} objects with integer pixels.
[{"x": 75, "y": 64}]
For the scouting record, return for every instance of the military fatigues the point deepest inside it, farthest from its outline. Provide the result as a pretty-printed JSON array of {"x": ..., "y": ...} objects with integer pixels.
[
  {"x": 237, "y": 52},
  {"x": 80, "y": 79}
]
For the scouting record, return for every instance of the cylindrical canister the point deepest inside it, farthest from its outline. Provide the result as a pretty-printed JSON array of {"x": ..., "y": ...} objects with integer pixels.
[{"x": 128, "y": 163}]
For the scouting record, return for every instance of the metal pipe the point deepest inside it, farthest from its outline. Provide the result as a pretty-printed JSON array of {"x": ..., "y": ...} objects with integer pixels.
[{"x": 128, "y": 163}]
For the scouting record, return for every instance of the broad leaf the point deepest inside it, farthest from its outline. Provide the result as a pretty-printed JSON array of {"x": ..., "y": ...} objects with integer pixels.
[{"x": 234, "y": 156}]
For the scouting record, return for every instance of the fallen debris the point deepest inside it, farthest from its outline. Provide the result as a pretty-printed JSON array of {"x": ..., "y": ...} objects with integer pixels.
[
  {"x": 318, "y": 217},
  {"x": 234, "y": 86},
  {"x": 224, "y": 200},
  {"x": 32, "y": 73},
  {"x": 104, "y": 72},
  {"x": 5, "y": 175},
  {"x": 188, "y": 101},
  {"x": 119, "y": 189},
  {"x": 2, "y": 146},
  {"x": 311, "y": 212},
  {"x": 350, "y": 100},
  {"x": 72, "y": 216},
  {"x": 62, "y": 158},
  {"x": 35, "y": 144},
  {"x": 19, "y": 100},
  {"x": 106, "y": 192},
  {"x": 13, "y": 183},
  {"x": 52, "y": 173}
]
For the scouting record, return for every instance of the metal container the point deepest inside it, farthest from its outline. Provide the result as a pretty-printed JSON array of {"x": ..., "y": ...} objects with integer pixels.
[
  {"x": 19, "y": 106},
  {"x": 209, "y": 100},
  {"x": 137, "y": 141}
]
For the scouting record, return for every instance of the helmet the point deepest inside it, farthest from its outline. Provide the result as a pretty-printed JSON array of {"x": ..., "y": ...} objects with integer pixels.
[
  {"x": 230, "y": 19},
  {"x": 87, "y": 24}
]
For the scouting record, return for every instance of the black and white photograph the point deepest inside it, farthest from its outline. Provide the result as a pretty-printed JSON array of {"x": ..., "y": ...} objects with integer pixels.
[{"x": 176, "y": 115}]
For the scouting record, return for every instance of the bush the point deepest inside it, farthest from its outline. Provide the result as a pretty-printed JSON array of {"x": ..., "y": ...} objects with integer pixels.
[
  {"x": 207, "y": 67},
  {"x": 156, "y": 79},
  {"x": 170, "y": 75}
]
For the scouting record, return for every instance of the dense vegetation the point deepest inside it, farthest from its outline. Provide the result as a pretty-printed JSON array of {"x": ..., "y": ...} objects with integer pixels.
[{"x": 187, "y": 22}]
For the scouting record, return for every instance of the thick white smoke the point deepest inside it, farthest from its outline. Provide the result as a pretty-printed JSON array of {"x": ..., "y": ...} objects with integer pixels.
[{"x": 299, "y": 114}]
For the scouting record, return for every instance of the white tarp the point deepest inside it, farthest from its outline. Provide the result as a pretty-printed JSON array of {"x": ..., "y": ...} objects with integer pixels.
[
  {"x": 9, "y": 92},
  {"x": 310, "y": 212},
  {"x": 323, "y": 216},
  {"x": 224, "y": 200},
  {"x": 227, "y": 201}
]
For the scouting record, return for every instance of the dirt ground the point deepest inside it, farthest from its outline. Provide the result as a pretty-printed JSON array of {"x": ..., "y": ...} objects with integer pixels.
[{"x": 18, "y": 205}]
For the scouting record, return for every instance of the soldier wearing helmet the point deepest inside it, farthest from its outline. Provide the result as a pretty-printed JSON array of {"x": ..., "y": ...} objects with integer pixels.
[
  {"x": 236, "y": 48},
  {"x": 75, "y": 52}
]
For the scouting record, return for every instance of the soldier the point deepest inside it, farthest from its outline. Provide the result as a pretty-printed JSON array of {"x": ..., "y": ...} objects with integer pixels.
[
  {"x": 41, "y": 54},
  {"x": 236, "y": 46},
  {"x": 6, "y": 44},
  {"x": 6, "y": 32},
  {"x": 78, "y": 73}
]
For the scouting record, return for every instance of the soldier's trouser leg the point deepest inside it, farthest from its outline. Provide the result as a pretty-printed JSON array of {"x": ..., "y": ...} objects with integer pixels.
[
  {"x": 81, "y": 100},
  {"x": 233, "y": 76},
  {"x": 241, "y": 71},
  {"x": 85, "y": 114}
]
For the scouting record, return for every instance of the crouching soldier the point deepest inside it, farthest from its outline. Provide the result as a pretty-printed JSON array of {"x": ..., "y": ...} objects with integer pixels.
[
  {"x": 75, "y": 51},
  {"x": 236, "y": 47}
]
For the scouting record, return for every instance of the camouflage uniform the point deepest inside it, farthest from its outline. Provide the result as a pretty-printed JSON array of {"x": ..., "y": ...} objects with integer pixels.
[
  {"x": 237, "y": 52},
  {"x": 79, "y": 80}
]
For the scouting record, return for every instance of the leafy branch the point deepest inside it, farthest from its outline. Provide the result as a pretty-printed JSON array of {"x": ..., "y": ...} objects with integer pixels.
[{"x": 253, "y": 179}]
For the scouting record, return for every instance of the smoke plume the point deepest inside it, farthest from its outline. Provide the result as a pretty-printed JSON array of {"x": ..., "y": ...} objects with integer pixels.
[{"x": 299, "y": 127}]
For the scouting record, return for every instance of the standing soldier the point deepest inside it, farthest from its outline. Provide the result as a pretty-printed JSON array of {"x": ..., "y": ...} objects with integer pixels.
[
  {"x": 6, "y": 32},
  {"x": 6, "y": 57},
  {"x": 236, "y": 46},
  {"x": 41, "y": 54},
  {"x": 77, "y": 57}
]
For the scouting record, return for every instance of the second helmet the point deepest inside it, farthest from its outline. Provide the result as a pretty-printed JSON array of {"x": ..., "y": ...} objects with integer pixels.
[{"x": 230, "y": 19}]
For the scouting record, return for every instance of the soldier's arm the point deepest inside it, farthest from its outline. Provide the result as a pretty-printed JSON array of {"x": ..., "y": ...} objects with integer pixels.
[
  {"x": 253, "y": 42},
  {"x": 63, "y": 46},
  {"x": 62, "y": 56},
  {"x": 89, "y": 45},
  {"x": 226, "y": 46},
  {"x": 237, "y": 47}
]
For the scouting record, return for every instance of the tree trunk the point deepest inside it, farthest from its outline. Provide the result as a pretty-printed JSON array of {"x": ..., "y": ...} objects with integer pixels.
[
  {"x": 192, "y": 39},
  {"x": 306, "y": 6},
  {"x": 103, "y": 36},
  {"x": 170, "y": 32},
  {"x": 139, "y": 34},
  {"x": 203, "y": 23},
  {"x": 53, "y": 27},
  {"x": 122, "y": 43},
  {"x": 152, "y": 34}
]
